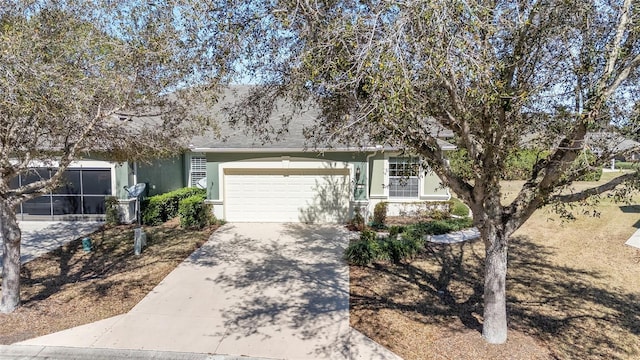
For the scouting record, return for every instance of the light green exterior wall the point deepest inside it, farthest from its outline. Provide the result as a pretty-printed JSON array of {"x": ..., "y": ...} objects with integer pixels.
[
  {"x": 213, "y": 188},
  {"x": 163, "y": 175},
  {"x": 431, "y": 185},
  {"x": 122, "y": 179},
  {"x": 357, "y": 159},
  {"x": 372, "y": 171},
  {"x": 376, "y": 174},
  {"x": 360, "y": 192},
  {"x": 170, "y": 174},
  {"x": 160, "y": 175}
]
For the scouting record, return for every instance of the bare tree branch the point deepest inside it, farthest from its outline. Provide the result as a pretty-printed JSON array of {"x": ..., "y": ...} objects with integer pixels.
[{"x": 585, "y": 194}]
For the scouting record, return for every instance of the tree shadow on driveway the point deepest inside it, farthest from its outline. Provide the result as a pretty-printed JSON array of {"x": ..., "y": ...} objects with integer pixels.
[{"x": 288, "y": 281}]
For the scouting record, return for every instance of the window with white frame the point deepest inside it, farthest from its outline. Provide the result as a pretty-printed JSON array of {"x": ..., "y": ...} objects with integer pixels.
[
  {"x": 198, "y": 169},
  {"x": 403, "y": 177}
]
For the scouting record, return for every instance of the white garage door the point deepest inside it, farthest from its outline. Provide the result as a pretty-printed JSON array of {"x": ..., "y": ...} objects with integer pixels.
[{"x": 287, "y": 195}]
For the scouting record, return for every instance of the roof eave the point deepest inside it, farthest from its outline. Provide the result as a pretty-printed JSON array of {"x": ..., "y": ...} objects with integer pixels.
[{"x": 285, "y": 149}]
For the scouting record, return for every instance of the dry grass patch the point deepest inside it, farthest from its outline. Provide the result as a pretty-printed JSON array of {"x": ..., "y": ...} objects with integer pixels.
[
  {"x": 573, "y": 293},
  {"x": 69, "y": 287}
]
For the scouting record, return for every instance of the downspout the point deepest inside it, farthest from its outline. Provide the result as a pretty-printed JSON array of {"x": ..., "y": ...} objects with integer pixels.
[{"x": 135, "y": 172}]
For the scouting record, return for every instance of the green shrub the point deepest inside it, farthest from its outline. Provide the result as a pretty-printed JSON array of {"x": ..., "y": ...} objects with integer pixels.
[
  {"x": 152, "y": 210},
  {"x": 397, "y": 250},
  {"x": 357, "y": 222},
  {"x": 112, "y": 211},
  {"x": 194, "y": 213},
  {"x": 439, "y": 227},
  {"x": 172, "y": 200},
  {"x": 160, "y": 208},
  {"x": 520, "y": 163},
  {"x": 593, "y": 175},
  {"x": 370, "y": 248},
  {"x": 394, "y": 230},
  {"x": 587, "y": 160},
  {"x": 458, "y": 208},
  {"x": 393, "y": 250},
  {"x": 460, "y": 164},
  {"x": 380, "y": 215},
  {"x": 624, "y": 165},
  {"x": 368, "y": 235},
  {"x": 364, "y": 251}
]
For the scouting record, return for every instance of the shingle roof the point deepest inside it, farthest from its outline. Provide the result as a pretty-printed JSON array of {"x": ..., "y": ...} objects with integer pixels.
[
  {"x": 241, "y": 138},
  {"x": 598, "y": 142},
  {"x": 614, "y": 143}
]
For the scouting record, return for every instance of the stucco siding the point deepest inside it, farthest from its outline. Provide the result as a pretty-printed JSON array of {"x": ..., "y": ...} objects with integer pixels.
[
  {"x": 122, "y": 179},
  {"x": 216, "y": 160},
  {"x": 162, "y": 175},
  {"x": 360, "y": 191},
  {"x": 432, "y": 186},
  {"x": 377, "y": 175},
  {"x": 213, "y": 185}
]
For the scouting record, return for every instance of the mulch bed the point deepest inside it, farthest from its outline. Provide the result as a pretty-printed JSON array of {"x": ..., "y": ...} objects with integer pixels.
[{"x": 69, "y": 287}]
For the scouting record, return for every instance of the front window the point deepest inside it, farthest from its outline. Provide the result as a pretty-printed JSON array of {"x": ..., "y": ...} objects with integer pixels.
[
  {"x": 403, "y": 177},
  {"x": 198, "y": 169},
  {"x": 82, "y": 191}
]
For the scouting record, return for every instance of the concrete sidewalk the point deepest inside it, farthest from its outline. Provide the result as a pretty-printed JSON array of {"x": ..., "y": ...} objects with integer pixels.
[
  {"x": 278, "y": 291},
  {"x": 455, "y": 237},
  {"x": 634, "y": 240},
  {"x": 24, "y": 352}
]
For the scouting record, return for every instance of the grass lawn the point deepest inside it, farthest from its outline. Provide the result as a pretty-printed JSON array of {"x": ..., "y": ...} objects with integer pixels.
[
  {"x": 69, "y": 287},
  {"x": 573, "y": 292}
]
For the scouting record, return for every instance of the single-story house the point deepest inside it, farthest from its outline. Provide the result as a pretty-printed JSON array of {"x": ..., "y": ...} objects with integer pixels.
[{"x": 247, "y": 180}]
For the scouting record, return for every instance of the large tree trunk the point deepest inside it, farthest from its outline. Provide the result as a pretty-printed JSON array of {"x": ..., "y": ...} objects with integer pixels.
[
  {"x": 494, "y": 328},
  {"x": 10, "y": 259}
]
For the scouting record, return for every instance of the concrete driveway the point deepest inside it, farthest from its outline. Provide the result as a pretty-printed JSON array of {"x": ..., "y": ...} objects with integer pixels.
[
  {"x": 276, "y": 291},
  {"x": 41, "y": 237}
]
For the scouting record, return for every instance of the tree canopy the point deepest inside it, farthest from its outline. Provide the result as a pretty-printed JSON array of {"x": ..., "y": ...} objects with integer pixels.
[
  {"x": 496, "y": 73},
  {"x": 112, "y": 78}
]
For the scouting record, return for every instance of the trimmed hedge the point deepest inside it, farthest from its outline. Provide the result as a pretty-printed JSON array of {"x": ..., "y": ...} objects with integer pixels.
[
  {"x": 518, "y": 164},
  {"x": 593, "y": 175},
  {"x": 626, "y": 165},
  {"x": 160, "y": 208},
  {"x": 194, "y": 213}
]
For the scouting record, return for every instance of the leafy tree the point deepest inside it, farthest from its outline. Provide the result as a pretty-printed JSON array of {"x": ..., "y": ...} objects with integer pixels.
[
  {"x": 630, "y": 126},
  {"x": 494, "y": 72},
  {"x": 113, "y": 78}
]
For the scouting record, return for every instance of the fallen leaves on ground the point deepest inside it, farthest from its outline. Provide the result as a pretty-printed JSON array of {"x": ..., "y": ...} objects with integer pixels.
[{"x": 69, "y": 287}]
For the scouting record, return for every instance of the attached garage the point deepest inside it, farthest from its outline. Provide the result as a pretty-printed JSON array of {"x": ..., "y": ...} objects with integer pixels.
[{"x": 309, "y": 195}]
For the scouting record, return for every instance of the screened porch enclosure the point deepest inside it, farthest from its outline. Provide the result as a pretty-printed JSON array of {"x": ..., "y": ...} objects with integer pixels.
[{"x": 81, "y": 194}]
